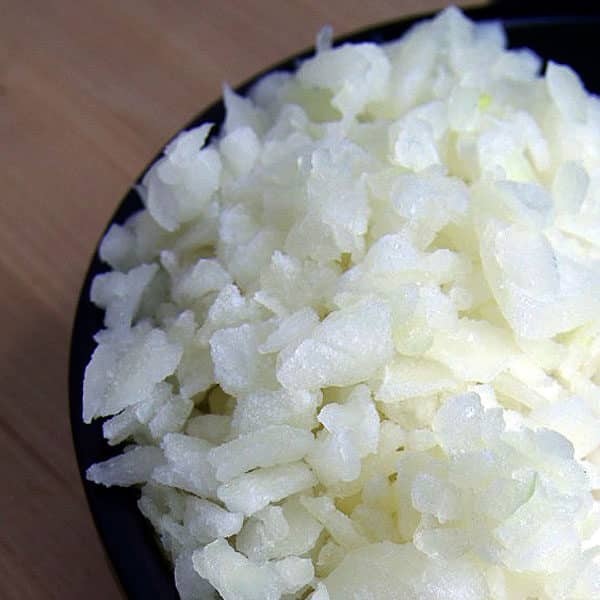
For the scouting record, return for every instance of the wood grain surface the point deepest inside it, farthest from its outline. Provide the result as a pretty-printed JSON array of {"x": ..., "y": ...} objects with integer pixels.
[{"x": 89, "y": 91}]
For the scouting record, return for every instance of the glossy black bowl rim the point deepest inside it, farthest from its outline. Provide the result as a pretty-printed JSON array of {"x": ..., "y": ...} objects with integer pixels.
[{"x": 127, "y": 538}]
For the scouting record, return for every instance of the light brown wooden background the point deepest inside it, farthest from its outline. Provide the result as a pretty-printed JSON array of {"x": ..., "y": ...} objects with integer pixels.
[{"x": 89, "y": 91}]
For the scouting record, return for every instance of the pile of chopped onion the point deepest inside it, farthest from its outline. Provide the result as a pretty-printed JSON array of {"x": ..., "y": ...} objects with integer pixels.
[{"x": 353, "y": 342}]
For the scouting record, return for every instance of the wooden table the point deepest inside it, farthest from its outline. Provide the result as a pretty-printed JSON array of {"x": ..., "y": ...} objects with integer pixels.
[{"x": 89, "y": 91}]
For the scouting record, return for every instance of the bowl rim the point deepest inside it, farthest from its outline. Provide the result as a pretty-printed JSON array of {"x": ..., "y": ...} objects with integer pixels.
[{"x": 114, "y": 510}]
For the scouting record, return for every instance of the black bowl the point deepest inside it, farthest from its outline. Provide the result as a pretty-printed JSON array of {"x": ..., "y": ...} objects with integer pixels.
[{"x": 564, "y": 32}]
